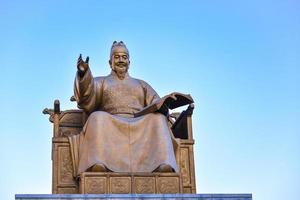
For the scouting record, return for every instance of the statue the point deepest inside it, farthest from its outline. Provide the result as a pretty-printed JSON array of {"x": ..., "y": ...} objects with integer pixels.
[
  {"x": 123, "y": 138},
  {"x": 113, "y": 139}
]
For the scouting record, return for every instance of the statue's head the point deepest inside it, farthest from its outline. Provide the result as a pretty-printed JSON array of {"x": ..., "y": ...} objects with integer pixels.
[{"x": 119, "y": 59}]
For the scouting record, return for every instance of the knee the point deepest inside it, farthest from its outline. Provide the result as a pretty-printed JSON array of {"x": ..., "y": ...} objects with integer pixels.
[
  {"x": 97, "y": 116},
  {"x": 157, "y": 116}
]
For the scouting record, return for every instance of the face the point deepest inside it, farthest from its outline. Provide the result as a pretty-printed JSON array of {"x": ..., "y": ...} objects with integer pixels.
[{"x": 119, "y": 61}]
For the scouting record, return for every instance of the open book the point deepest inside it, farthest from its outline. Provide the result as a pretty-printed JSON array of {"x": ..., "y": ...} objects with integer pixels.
[{"x": 171, "y": 101}]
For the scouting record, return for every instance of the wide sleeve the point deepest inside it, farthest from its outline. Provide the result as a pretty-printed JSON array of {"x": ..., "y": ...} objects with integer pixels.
[
  {"x": 150, "y": 94},
  {"x": 87, "y": 92}
]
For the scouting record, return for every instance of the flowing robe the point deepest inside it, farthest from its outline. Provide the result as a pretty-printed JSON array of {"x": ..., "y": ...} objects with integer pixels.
[{"x": 111, "y": 135}]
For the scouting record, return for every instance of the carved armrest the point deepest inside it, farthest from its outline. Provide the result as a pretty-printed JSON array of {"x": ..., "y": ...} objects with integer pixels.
[{"x": 65, "y": 123}]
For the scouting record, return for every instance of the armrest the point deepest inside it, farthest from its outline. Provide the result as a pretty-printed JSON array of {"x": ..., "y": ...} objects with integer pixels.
[
  {"x": 67, "y": 122},
  {"x": 182, "y": 127}
]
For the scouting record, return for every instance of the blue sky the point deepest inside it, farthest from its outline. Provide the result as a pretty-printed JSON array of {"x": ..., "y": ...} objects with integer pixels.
[{"x": 238, "y": 59}]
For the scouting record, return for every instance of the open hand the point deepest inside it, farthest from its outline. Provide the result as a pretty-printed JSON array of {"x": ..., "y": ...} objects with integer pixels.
[{"x": 82, "y": 66}]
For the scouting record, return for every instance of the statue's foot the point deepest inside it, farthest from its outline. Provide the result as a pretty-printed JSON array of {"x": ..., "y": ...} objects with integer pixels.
[
  {"x": 164, "y": 168},
  {"x": 98, "y": 168}
]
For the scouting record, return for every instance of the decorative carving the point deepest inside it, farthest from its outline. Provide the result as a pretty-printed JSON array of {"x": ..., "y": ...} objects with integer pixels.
[
  {"x": 50, "y": 112},
  {"x": 185, "y": 166},
  {"x": 187, "y": 190},
  {"x": 120, "y": 185},
  {"x": 144, "y": 185},
  {"x": 67, "y": 190},
  {"x": 66, "y": 169},
  {"x": 126, "y": 183},
  {"x": 168, "y": 185},
  {"x": 95, "y": 185}
]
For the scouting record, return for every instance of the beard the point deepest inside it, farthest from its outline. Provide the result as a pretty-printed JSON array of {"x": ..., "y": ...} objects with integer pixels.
[{"x": 120, "y": 70}]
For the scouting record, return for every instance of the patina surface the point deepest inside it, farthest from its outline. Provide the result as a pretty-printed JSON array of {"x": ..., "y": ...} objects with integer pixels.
[
  {"x": 112, "y": 139},
  {"x": 102, "y": 109}
]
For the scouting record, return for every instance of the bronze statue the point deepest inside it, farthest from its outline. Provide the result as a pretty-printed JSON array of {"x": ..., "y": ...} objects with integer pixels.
[
  {"x": 123, "y": 138},
  {"x": 112, "y": 138}
]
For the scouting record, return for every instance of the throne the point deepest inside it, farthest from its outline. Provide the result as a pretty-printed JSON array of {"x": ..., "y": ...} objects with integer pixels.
[{"x": 70, "y": 122}]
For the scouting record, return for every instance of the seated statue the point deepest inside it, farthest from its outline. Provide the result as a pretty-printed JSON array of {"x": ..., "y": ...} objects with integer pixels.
[{"x": 113, "y": 138}]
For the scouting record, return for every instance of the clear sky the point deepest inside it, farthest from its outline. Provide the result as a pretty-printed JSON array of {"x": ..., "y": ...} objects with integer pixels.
[{"x": 238, "y": 59}]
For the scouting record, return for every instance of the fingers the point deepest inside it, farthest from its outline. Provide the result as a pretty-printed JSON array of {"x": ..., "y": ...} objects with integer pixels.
[
  {"x": 79, "y": 59},
  {"x": 81, "y": 65}
]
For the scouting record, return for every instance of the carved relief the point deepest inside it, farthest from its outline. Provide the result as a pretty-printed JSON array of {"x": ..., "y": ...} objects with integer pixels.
[
  {"x": 167, "y": 185},
  {"x": 185, "y": 166},
  {"x": 67, "y": 190},
  {"x": 120, "y": 185},
  {"x": 187, "y": 190},
  {"x": 95, "y": 185},
  {"x": 65, "y": 172},
  {"x": 126, "y": 183},
  {"x": 144, "y": 185}
]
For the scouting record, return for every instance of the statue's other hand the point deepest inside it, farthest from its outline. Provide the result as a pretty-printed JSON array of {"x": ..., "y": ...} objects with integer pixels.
[{"x": 82, "y": 66}]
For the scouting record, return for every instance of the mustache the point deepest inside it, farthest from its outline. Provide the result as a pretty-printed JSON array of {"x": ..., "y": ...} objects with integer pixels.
[{"x": 121, "y": 64}]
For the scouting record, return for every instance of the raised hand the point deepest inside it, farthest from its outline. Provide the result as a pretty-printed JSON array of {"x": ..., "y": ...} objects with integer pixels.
[{"x": 82, "y": 66}]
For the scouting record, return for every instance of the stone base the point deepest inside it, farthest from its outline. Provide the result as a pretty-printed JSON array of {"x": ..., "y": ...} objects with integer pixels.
[
  {"x": 133, "y": 196},
  {"x": 129, "y": 183}
]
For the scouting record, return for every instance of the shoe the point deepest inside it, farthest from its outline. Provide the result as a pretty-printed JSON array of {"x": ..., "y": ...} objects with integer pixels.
[
  {"x": 98, "y": 168},
  {"x": 164, "y": 168}
]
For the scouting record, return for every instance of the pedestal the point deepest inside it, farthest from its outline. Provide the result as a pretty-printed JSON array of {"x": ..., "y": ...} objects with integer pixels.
[{"x": 133, "y": 196}]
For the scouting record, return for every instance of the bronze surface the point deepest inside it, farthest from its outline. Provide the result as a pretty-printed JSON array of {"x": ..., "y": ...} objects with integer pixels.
[
  {"x": 105, "y": 129},
  {"x": 111, "y": 135}
]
